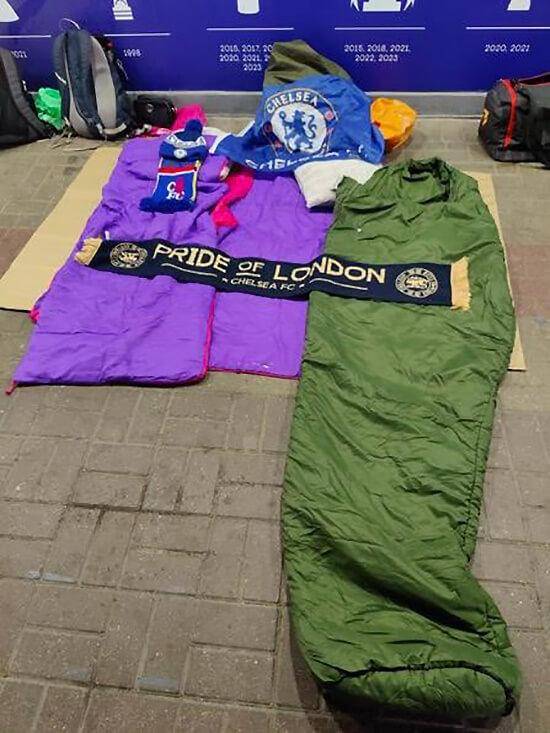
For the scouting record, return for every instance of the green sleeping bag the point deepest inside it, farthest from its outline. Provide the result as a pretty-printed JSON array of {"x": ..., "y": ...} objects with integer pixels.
[{"x": 387, "y": 458}]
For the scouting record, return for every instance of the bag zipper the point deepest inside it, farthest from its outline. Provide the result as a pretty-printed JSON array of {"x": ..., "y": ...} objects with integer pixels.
[{"x": 513, "y": 112}]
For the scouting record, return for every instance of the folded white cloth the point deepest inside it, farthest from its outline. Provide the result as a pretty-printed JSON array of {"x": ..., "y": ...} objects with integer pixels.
[{"x": 319, "y": 180}]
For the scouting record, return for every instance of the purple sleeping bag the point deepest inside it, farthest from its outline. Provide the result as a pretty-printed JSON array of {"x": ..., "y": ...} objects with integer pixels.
[
  {"x": 96, "y": 327},
  {"x": 263, "y": 335}
]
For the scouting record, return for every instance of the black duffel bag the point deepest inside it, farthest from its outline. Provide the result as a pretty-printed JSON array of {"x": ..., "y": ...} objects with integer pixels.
[
  {"x": 538, "y": 133},
  {"x": 509, "y": 121}
]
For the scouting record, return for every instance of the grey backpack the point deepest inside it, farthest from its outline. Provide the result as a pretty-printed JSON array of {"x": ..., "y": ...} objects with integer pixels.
[{"x": 94, "y": 101}]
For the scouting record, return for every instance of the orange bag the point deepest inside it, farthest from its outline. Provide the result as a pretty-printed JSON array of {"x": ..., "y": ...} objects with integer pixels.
[{"x": 395, "y": 120}]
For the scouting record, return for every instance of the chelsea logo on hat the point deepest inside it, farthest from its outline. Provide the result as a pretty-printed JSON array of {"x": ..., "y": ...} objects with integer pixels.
[{"x": 301, "y": 119}]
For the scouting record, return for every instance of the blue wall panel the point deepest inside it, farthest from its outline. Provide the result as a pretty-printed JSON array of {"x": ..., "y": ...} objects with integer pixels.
[{"x": 390, "y": 45}]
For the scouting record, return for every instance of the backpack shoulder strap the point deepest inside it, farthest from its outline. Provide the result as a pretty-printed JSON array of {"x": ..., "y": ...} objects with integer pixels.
[
  {"x": 84, "y": 117},
  {"x": 109, "y": 92},
  {"x": 104, "y": 88},
  {"x": 59, "y": 53}
]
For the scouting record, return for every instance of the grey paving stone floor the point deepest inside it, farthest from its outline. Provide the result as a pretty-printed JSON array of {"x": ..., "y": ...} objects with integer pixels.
[{"x": 140, "y": 560}]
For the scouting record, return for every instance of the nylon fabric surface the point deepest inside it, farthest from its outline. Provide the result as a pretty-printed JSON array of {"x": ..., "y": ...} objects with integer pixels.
[
  {"x": 292, "y": 60},
  {"x": 97, "y": 327},
  {"x": 387, "y": 458},
  {"x": 260, "y": 335}
]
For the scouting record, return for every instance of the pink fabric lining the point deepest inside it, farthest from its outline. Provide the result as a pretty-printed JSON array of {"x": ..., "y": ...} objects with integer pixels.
[
  {"x": 254, "y": 373},
  {"x": 208, "y": 340},
  {"x": 183, "y": 115},
  {"x": 239, "y": 182}
]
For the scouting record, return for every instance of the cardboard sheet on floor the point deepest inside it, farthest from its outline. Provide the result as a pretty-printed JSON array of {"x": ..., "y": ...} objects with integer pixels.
[
  {"x": 33, "y": 269},
  {"x": 46, "y": 251},
  {"x": 488, "y": 193}
]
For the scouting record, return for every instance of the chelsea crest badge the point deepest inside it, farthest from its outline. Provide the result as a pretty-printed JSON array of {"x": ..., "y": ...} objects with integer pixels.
[
  {"x": 301, "y": 120},
  {"x": 128, "y": 255},
  {"x": 417, "y": 282}
]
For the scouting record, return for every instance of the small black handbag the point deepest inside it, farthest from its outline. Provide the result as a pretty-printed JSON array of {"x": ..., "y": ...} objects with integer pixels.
[{"x": 155, "y": 111}]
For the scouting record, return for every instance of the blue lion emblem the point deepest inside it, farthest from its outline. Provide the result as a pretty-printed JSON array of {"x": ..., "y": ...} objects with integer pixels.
[{"x": 300, "y": 131}]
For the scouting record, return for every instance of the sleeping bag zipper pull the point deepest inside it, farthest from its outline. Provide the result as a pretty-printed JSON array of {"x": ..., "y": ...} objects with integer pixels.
[{"x": 10, "y": 389}]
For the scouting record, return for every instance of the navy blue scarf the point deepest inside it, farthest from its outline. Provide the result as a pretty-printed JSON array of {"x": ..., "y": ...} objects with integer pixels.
[{"x": 421, "y": 283}]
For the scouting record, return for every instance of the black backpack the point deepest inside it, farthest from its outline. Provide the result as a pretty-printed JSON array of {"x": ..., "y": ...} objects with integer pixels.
[
  {"x": 18, "y": 120},
  {"x": 511, "y": 109},
  {"x": 92, "y": 82}
]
